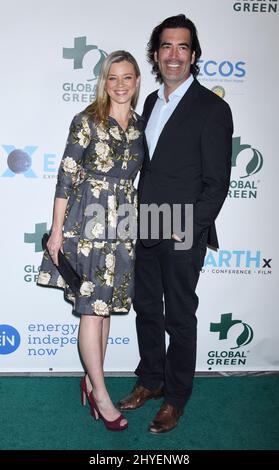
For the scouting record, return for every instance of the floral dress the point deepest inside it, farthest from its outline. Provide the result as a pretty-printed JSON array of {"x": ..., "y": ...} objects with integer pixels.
[{"x": 96, "y": 175}]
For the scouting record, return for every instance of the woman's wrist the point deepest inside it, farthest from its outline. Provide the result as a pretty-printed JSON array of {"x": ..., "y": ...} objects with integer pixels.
[{"x": 56, "y": 230}]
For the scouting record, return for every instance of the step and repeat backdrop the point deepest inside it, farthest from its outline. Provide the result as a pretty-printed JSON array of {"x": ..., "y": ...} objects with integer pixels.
[{"x": 51, "y": 54}]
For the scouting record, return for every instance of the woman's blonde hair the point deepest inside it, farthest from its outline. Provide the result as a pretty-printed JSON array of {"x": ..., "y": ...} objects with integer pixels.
[{"x": 99, "y": 109}]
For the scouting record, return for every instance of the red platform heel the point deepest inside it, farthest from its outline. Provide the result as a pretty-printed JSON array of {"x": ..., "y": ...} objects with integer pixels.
[
  {"x": 111, "y": 425},
  {"x": 85, "y": 395}
]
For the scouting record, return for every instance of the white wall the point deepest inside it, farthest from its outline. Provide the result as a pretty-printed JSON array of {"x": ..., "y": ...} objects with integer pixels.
[{"x": 239, "y": 54}]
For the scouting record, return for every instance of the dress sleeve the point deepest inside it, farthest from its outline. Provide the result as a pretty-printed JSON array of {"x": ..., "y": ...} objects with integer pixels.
[{"x": 71, "y": 163}]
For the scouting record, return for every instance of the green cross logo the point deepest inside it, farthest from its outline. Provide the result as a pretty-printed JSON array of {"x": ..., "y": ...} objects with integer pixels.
[
  {"x": 36, "y": 237},
  {"x": 256, "y": 162},
  {"x": 225, "y": 325},
  {"x": 78, "y": 52}
]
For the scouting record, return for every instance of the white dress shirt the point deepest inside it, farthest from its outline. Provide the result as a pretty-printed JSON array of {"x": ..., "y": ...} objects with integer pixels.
[{"x": 162, "y": 111}]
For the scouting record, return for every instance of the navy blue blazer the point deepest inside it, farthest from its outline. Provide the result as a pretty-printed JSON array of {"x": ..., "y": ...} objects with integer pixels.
[{"x": 191, "y": 163}]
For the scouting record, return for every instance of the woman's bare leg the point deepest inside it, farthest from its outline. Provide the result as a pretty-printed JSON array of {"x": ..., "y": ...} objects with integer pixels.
[
  {"x": 92, "y": 332},
  {"x": 105, "y": 333}
]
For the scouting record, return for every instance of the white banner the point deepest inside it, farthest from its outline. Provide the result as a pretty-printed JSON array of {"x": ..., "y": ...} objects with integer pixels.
[{"x": 50, "y": 56}]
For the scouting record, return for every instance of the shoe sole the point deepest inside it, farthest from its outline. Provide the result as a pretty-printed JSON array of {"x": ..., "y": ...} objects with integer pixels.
[
  {"x": 160, "y": 432},
  {"x": 139, "y": 406}
]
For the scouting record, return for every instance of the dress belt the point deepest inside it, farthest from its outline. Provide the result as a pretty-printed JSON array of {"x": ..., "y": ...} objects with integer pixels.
[{"x": 91, "y": 175}]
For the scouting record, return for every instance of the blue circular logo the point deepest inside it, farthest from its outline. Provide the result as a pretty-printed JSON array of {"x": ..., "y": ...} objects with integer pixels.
[
  {"x": 9, "y": 339},
  {"x": 19, "y": 161}
]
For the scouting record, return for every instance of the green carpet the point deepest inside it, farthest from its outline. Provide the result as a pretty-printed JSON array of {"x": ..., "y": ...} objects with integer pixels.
[{"x": 223, "y": 413}]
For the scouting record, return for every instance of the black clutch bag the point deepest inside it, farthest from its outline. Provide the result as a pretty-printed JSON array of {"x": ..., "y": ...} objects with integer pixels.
[{"x": 66, "y": 270}]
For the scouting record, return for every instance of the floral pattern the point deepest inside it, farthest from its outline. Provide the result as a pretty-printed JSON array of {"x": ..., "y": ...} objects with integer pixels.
[
  {"x": 98, "y": 166},
  {"x": 84, "y": 247}
]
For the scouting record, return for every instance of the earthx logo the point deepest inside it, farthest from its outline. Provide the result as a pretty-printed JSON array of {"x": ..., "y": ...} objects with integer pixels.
[
  {"x": 20, "y": 162},
  {"x": 237, "y": 263}
]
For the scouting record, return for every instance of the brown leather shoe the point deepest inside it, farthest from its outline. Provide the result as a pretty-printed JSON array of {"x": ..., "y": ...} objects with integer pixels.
[
  {"x": 166, "y": 419},
  {"x": 138, "y": 397}
]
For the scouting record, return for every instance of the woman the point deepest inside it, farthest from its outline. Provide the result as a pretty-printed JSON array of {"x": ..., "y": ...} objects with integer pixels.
[{"x": 103, "y": 154}]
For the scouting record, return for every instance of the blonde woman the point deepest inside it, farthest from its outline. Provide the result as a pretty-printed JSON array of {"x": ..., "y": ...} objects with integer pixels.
[{"x": 103, "y": 155}]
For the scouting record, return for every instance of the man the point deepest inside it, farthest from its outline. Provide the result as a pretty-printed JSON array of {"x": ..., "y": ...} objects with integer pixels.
[{"x": 189, "y": 137}]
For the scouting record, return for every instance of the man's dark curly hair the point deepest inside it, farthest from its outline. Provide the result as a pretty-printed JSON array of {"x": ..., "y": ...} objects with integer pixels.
[{"x": 178, "y": 21}]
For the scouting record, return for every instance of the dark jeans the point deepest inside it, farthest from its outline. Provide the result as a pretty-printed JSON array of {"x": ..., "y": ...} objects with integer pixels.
[{"x": 162, "y": 272}]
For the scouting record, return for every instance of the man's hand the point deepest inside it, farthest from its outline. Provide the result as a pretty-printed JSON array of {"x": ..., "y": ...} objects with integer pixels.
[{"x": 176, "y": 237}]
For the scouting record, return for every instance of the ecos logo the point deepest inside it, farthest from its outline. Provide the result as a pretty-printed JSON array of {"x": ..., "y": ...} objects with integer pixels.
[
  {"x": 234, "y": 332},
  {"x": 31, "y": 271},
  {"x": 248, "y": 161},
  {"x": 83, "y": 56},
  {"x": 225, "y": 70},
  {"x": 9, "y": 339},
  {"x": 20, "y": 162}
]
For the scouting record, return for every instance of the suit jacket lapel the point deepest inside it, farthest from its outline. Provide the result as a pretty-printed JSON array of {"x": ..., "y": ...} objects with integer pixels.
[
  {"x": 183, "y": 109},
  {"x": 146, "y": 115},
  {"x": 147, "y": 160},
  {"x": 148, "y": 109}
]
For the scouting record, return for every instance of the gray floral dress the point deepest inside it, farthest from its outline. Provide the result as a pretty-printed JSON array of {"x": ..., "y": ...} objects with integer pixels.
[{"x": 96, "y": 175}]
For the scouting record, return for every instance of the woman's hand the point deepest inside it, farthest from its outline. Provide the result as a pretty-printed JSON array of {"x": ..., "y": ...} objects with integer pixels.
[{"x": 54, "y": 244}]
